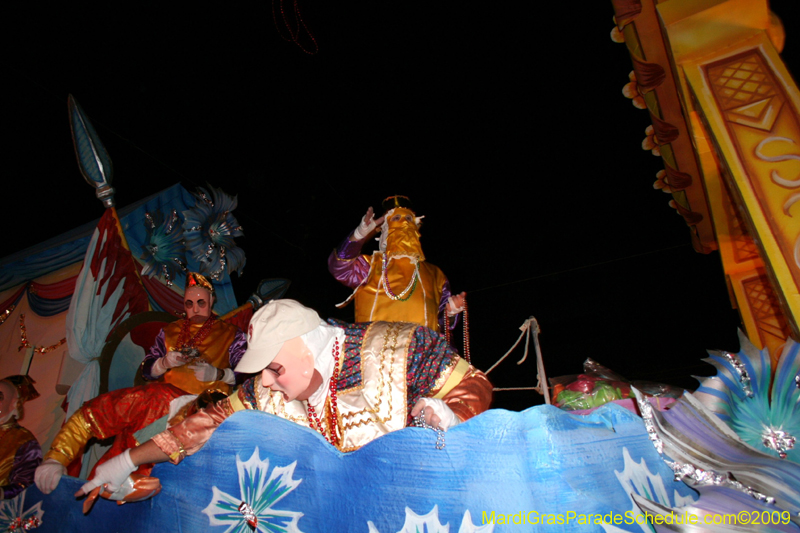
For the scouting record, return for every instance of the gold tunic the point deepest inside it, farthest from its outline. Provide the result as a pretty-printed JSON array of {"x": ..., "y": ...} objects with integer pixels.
[
  {"x": 422, "y": 307},
  {"x": 12, "y": 436},
  {"x": 214, "y": 350}
]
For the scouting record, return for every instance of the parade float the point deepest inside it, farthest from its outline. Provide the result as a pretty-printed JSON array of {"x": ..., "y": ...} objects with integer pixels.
[{"x": 722, "y": 108}]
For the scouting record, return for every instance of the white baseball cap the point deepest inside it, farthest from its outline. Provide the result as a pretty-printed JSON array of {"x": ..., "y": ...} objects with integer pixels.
[{"x": 272, "y": 325}]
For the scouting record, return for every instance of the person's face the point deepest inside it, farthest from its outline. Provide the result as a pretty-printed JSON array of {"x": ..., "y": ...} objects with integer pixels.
[
  {"x": 402, "y": 234},
  {"x": 292, "y": 371},
  {"x": 197, "y": 302},
  {"x": 401, "y": 216},
  {"x": 8, "y": 400}
]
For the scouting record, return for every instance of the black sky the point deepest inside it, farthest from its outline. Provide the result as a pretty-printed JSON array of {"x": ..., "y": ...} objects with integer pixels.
[{"x": 507, "y": 129}]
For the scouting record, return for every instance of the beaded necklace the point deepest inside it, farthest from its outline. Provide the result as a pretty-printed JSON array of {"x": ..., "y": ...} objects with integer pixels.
[
  {"x": 409, "y": 288},
  {"x": 183, "y": 339},
  {"x": 332, "y": 411}
]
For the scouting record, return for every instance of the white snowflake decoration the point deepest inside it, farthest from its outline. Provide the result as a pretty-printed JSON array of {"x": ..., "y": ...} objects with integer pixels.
[
  {"x": 11, "y": 510},
  {"x": 261, "y": 493},
  {"x": 430, "y": 524},
  {"x": 636, "y": 478}
]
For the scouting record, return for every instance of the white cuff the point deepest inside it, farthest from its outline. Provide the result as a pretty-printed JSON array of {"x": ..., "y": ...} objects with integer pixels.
[
  {"x": 229, "y": 376},
  {"x": 446, "y": 415},
  {"x": 158, "y": 369}
]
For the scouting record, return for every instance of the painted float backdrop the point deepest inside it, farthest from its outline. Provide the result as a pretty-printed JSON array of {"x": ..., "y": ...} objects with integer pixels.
[
  {"x": 39, "y": 282},
  {"x": 542, "y": 459}
]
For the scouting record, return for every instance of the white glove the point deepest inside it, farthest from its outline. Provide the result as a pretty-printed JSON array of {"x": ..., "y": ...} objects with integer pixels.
[
  {"x": 48, "y": 474},
  {"x": 113, "y": 473},
  {"x": 447, "y": 418},
  {"x": 366, "y": 227},
  {"x": 204, "y": 371},
  {"x": 170, "y": 360}
]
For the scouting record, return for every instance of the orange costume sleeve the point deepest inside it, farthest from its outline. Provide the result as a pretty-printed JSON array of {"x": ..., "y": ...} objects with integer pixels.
[
  {"x": 119, "y": 413},
  {"x": 190, "y": 435},
  {"x": 471, "y": 396}
]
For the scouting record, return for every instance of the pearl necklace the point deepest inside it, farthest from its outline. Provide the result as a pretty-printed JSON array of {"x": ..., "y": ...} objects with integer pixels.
[
  {"x": 409, "y": 288},
  {"x": 333, "y": 410}
]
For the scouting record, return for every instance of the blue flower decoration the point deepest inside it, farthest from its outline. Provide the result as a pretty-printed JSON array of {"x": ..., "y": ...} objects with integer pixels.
[
  {"x": 209, "y": 230},
  {"x": 164, "y": 252},
  {"x": 253, "y": 509},
  {"x": 763, "y": 412}
]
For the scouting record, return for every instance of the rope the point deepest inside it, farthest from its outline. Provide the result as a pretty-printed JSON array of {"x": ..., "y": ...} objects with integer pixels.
[
  {"x": 527, "y": 332},
  {"x": 525, "y": 327}
]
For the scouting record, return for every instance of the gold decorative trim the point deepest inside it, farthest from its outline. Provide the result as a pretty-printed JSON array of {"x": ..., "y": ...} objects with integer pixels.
[
  {"x": 180, "y": 453},
  {"x": 444, "y": 383},
  {"x": 390, "y": 336}
]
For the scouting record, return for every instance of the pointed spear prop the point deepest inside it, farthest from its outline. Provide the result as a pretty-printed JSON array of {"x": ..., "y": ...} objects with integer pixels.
[
  {"x": 93, "y": 159},
  {"x": 95, "y": 164}
]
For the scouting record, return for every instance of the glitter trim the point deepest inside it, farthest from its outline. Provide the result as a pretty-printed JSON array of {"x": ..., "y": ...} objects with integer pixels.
[{"x": 741, "y": 371}]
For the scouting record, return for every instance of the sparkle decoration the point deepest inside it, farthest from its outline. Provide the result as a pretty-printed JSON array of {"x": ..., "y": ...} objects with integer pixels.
[
  {"x": 690, "y": 474},
  {"x": 778, "y": 440},
  {"x": 13, "y": 518},
  {"x": 23, "y": 334},
  {"x": 164, "y": 252},
  {"x": 764, "y": 411},
  {"x": 5, "y": 314},
  {"x": 249, "y": 516},
  {"x": 430, "y": 523},
  {"x": 259, "y": 491},
  {"x": 209, "y": 229},
  {"x": 741, "y": 371},
  {"x": 646, "y": 409},
  {"x": 699, "y": 477}
]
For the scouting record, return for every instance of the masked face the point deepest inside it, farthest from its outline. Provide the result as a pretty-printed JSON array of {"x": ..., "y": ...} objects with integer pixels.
[
  {"x": 402, "y": 236},
  {"x": 292, "y": 372},
  {"x": 8, "y": 401},
  {"x": 197, "y": 302}
]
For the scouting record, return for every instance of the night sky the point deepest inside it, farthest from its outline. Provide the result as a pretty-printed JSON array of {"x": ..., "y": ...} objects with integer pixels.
[{"x": 506, "y": 128}]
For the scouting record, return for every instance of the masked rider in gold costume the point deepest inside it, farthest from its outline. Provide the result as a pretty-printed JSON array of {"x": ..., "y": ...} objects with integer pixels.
[
  {"x": 196, "y": 353},
  {"x": 396, "y": 283}
]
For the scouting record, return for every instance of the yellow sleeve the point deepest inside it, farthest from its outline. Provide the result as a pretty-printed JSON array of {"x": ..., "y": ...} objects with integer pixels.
[{"x": 70, "y": 440}]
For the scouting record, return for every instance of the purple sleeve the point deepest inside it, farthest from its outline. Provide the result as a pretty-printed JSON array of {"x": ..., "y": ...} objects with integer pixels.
[
  {"x": 27, "y": 458},
  {"x": 236, "y": 351},
  {"x": 443, "y": 307},
  {"x": 347, "y": 265},
  {"x": 158, "y": 350}
]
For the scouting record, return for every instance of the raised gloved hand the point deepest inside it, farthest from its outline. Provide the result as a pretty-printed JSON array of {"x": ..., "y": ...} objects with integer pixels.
[
  {"x": 171, "y": 359},
  {"x": 48, "y": 474},
  {"x": 367, "y": 226},
  {"x": 437, "y": 413},
  {"x": 112, "y": 473}
]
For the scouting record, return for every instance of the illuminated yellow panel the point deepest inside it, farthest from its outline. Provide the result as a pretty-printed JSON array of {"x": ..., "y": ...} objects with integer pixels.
[{"x": 749, "y": 103}]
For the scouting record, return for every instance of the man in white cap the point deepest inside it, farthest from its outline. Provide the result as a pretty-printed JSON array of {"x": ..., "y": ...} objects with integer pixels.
[{"x": 350, "y": 382}]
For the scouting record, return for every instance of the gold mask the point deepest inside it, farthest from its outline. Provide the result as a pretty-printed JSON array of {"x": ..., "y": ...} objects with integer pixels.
[{"x": 402, "y": 238}]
